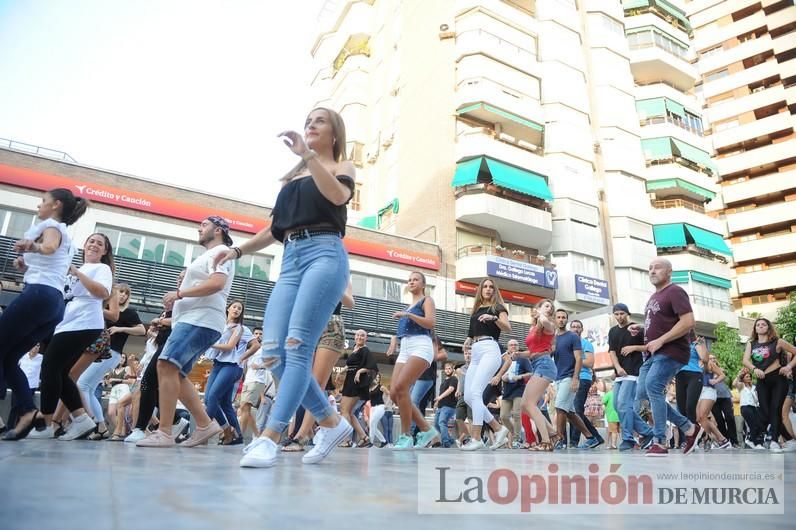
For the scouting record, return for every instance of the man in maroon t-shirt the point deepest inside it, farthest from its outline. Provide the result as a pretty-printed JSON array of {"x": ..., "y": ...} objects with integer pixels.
[{"x": 668, "y": 320}]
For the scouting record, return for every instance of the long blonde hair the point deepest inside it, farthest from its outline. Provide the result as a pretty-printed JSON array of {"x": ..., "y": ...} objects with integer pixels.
[
  {"x": 338, "y": 146},
  {"x": 497, "y": 298}
]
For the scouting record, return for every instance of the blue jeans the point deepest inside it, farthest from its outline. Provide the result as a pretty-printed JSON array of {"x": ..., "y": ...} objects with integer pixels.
[
  {"x": 30, "y": 318},
  {"x": 89, "y": 381},
  {"x": 417, "y": 393},
  {"x": 441, "y": 419},
  {"x": 653, "y": 377},
  {"x": 386, "y": 425},
  {"x": 580, "y": 410},
  {"x": 627, "y": 406},
  {"x": 220, "y": 383},
  {"x": 314, "y": 276}
]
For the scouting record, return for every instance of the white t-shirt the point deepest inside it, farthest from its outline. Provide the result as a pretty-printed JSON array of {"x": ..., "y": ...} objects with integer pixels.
[
  {"x": 205, "y": 311},
  {"x": 32, "y": 369},
  {"x": 258, "y": 375},
  {"x": 748, "y": 397},
  {"x": 83, "y": 309},
  {"x": 48, "y": 270}
]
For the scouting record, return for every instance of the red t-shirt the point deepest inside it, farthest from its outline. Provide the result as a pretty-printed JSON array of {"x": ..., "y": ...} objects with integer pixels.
[{"x": 664, "y": 309}]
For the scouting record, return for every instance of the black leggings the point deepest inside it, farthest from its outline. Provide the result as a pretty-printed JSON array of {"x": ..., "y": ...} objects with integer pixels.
[
  {"x": 725, "y": 419},
  {"x": 149, "y": 392},
  {"x": 771, "y": 392},
  {"x": 61, "y": 354},
  {"x": 688, "y": 386},
  {"x": 751, "y": 415}
]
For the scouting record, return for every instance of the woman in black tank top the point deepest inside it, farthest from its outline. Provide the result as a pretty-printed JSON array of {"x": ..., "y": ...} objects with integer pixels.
[{"x": 765, "y": 357}]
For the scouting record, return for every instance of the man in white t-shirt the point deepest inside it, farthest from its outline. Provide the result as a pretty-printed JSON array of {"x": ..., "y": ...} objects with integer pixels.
[
  {"x": 31, "y": 365},
  {"x": 198, "y": 318}
]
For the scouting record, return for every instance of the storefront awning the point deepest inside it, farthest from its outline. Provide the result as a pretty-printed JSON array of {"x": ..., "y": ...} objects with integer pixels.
[
  {"x": 708, "y": 240},
  {"x": 519, "y": 180}
]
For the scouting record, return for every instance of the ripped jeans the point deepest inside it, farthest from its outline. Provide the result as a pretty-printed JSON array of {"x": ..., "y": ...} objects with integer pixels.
[{"x": 312, "y": 281}]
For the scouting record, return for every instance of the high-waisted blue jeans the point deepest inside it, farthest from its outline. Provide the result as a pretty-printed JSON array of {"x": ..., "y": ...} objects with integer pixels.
[
  {"x": 313, "y": 279},
  {"x": 653, "y": 377},
  {"x": 218, "y": 394}
]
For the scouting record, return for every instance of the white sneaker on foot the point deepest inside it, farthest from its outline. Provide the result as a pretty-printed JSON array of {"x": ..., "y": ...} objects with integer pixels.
[
  {"x": 178, "y": 428},
  {"x": 789, "y": 446},
  {"x": 774, "y": 447},
  {"x": 473, "y": 445},
  {"x": 135, "y": 436},
  {"x": 44, "y": 434},
  {"x": 501, "y": 437},
  {"x": 326, "y": 440},
  {"x": 80, "y": 426},
  {"x": 262, "y": 452}
]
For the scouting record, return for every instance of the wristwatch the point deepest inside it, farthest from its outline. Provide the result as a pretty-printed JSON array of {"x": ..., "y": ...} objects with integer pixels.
[{"x": 309, "y": 154}]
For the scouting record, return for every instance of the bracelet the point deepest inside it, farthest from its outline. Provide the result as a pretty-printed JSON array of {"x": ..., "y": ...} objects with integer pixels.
[
  {"x": 238, "y": 251},
  {"x": 309, "y": 154}
]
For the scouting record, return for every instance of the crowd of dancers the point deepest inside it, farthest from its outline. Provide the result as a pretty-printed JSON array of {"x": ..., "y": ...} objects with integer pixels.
[{"x": 668, "y": 391}]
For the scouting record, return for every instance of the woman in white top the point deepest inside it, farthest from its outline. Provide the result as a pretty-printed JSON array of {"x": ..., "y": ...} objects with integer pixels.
[
  {"x": 750, "y": 409},
  {"x": 45, "y": 255},
  {"x": 87, "y": 287},
  {"x": 226, "y": 373}
]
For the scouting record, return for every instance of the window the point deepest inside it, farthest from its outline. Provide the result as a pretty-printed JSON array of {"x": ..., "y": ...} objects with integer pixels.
[
  {"x": 356, "y": 200},
  {"x": 713, "y": 51},
  {"x": 647, "y": 38},
  {"x": 587, "y": 266},
  {"x": 606, "y": 23},
  {"x": 717, "y": 75},
  {"x": 377, "y": 287},
  {"x": 639, "y": 280},
  {"x": 15, "y": 223},
  {"x": 694, "y": 122},
  {"x": 253, "y": 266}
]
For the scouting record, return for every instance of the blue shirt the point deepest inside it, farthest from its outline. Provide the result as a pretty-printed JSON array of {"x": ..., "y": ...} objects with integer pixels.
[
  {"x": 407, "y": 326},
  {"x": 564, "y": 354},
  {"x": 518, "y": 367},
  {"x": 585, "y": 373},
  {"x": 693, "y": 362}
]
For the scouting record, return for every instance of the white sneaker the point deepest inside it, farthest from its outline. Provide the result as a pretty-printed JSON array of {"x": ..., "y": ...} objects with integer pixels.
[
  {"x": 262, "y": 452},
  {"x": 749, "y": 443},
  {"x": 326, "y": 440},
  {"x": 501, "y": 437},
  {"x": 135, "y": 436},
  {"x": 178, "y": 428},
  {"x": 79, "y": 427},
  {"x": 47, "y": 432},
  {"x": 789, "y": 447},
  {"x": 774, "y": 447},
  {"x": 759, "y": 447},
  {"x": 473, "y": 445}
]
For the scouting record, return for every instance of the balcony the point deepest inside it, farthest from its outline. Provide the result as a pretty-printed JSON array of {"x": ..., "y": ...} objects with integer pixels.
[
  {"x": 759, "y": 186},
  {"x": 709, "y": 311},
  {"x": 776, "y": 123},
  {"x": 678, "y": 211},
  {"x": 518, "y": 114},
  {"x": 699, "y": 261},
  {"x": 734, "y": 107},
  {"x": 650, "y": 64},
  {"x": 781, "y": 18},
  {"x": 709, "y": 38},
  {"x": 569, "y": 236},
  {"x": 787, "y": 69},
  {"x": 633, "y": 253},
  {"x": 525, "y": 223},
  {"x": 524, "y": 274},
  {"x": 763, "y": 248},
  {"x": 743, "y": 78},
  {"x": 663, "y": 90},
  {"x": 480, "y": 41},
  {"x": 767, "y": 280},
  {"x": 700, "y": 16},
  {"x": 658, "y": 126},
  {"x": 481, "y": 141},
  {"x": 785, "y": 42},
  {"x": 669, "y": 204},
  {"x": 736, "y": 54},
  {"x": 759, "y": 157},
  {"x": 783, "y": 212},
  {"x": 676, "y": 179},
  {"x": 520, "y": 17}
]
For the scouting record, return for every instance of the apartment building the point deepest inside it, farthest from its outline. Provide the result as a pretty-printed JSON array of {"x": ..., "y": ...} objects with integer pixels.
[
  {"x": 508, "y": 132},
  {"x": 747, "y": 66}
]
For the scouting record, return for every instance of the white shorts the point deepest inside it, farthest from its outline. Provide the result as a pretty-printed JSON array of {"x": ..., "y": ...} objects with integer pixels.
[
  {"x": 416, "y": 346},
  {"x": 118, "y": 392},
  {"x": 707, "y": 393}
]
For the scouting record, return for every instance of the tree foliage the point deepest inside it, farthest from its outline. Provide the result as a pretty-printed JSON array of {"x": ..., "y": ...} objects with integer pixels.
[
  {"x": 786, "y": 319},
  {"x": 728, "y": 349}
]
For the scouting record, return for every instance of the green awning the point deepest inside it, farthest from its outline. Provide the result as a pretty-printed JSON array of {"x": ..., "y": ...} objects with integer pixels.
[
  {"x": 653, "y": 185},
  {"x": 633, "y": 4},
  {"x": 710, "y": 280},
  {"x": 502, "y": 113},
  {"x": 669, "y": 235},
  {"x": 467, "y": 172},
  {"x": 675, "y": 108},
  {"x": 369, "y": 222},
  {"x": 651, "y": 107},
  {"x": 675, "y": 12},
  {"x": 520, "y": 180},
  {"x": 689, "y": 152},
  {"x": 392, "y": 205},
  {"x": 657, "y": 148},
  {"x": 708, "y": 240},
  {"x": 680, "y": 276}
]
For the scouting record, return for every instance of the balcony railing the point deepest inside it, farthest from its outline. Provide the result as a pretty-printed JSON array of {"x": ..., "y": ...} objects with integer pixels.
[
  {"x": 711, "y": 302},
  {"x": 654, "y": 120},
  {"x": 493, "y": 250},
  {"x": 521, "y": 54},
  {"x": 149, "y": 281},
  {"x": 677, "y": 203},
  {"x": 36, "y": 150}
]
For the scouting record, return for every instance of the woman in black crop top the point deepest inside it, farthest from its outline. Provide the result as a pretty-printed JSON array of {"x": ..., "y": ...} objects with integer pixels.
[
  {"x": 488, "y": 319},
  {"x": 765, "y": 357},
  {"x": 309, "y": 218}
]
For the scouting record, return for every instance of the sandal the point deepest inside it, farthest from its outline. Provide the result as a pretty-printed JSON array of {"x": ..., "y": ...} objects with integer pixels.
[
  {"x": 96, "y": 435},
  {"x": 116, "y": 438},
  {"x": 347, "y": 443},
  {"x": 295, "y": 446},
  {"x": 542, "y": 447},
  {"x": 364, "y": 442}
]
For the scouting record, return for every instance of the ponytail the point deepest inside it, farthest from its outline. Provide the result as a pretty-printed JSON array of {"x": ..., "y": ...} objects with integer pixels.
[{"x": 72, "y": 208}]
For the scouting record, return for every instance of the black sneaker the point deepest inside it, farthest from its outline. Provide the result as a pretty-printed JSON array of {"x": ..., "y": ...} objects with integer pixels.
[{"x": 645, "y": 442}]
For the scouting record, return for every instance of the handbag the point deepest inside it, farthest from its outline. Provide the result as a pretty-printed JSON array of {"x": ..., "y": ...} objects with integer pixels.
[{"x": 101, "y": 347}]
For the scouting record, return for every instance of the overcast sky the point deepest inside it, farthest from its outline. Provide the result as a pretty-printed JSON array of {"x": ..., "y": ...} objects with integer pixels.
[{"x": 189, "y": 92}]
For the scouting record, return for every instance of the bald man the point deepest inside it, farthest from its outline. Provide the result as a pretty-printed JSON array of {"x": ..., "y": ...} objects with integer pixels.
[{"x": 668, "y": 321}]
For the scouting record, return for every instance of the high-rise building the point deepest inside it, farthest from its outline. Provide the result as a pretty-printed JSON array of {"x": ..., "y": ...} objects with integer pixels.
[
  {"x": 509, "y": 133},
  {"x": 747, "y": 65}
]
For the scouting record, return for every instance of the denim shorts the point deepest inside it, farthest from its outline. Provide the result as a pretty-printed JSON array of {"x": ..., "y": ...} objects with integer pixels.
[
  {"x": 186, "y": 343},
  {"x": 544, "y": 366},
  {"x": 565, "y": 397}
]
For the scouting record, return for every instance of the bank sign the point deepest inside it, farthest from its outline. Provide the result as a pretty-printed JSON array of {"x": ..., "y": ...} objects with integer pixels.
[
  {"x": 591, "y": 290},
  {"x": 519, "y": 271}
]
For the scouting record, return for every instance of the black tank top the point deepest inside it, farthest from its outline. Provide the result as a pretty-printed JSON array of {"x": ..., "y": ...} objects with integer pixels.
[
  {"x": 301, "y": 204},
  {"x": 376, "y": 397},
  {"x": 764, "y": 354}
]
